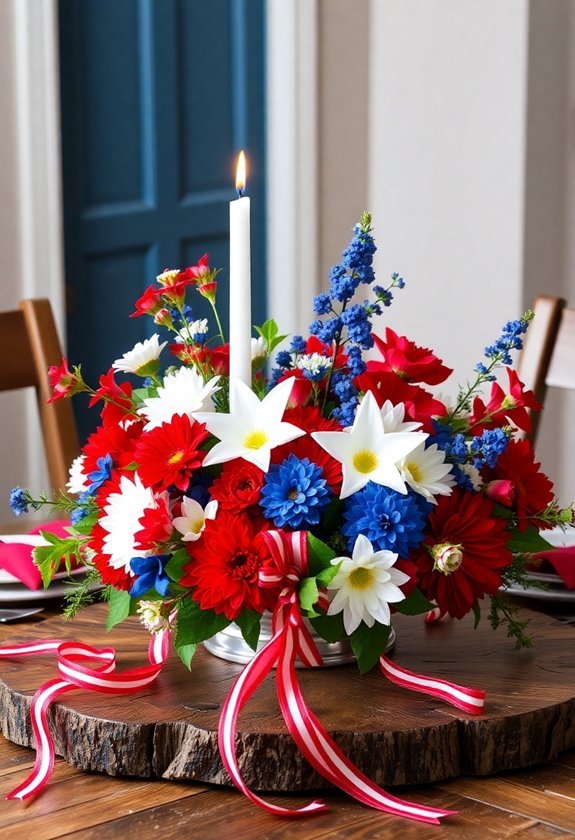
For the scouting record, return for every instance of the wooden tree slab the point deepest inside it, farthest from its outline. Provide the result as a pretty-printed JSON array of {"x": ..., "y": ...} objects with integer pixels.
[{"x": 395, "y": 736}]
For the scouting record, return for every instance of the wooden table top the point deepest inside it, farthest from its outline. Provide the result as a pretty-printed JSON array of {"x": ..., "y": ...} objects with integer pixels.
[{"x": 538, "y": 802}]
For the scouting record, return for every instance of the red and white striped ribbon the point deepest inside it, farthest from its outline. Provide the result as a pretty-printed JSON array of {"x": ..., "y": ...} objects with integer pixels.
[
  {"x": 471, "y": 700},
  {"x": 100, "y": 677}
]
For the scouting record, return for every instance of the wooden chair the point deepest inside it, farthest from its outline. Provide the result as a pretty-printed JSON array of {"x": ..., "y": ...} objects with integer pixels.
[
  {"x": 548, "y": 355},
  {"x": 29, "y": 345}
]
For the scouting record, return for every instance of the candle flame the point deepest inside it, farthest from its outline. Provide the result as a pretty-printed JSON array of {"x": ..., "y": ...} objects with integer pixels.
[{"x": 241, "y": 173}]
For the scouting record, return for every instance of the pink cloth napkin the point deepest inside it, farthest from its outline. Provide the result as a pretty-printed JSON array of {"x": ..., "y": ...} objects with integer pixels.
[
  {"x": 563, "y": 561},
  {"x": 16, "y": 558}
]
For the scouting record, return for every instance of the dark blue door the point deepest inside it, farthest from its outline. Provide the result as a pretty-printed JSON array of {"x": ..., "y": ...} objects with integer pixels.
[{"x": 158, "y": 97}]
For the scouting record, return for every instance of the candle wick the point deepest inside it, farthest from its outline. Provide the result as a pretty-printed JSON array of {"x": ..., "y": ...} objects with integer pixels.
[{"x": 240, "y": 192}]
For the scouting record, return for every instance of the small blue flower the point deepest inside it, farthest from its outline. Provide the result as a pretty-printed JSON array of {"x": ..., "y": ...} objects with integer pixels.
[
  {"x": 355, "y": 362},
  {"x": 298, "y": 344},
  {"x": 19, "y": 500},
  {"x": 151, "y": 574},
  {"x": 329, "y": 329},
  {"x": 284, "y": 359},
  {"x": 390, "y": 520},
  {"x": 101, "y": 475},
  {"x": 79, "y": 513},
  {"x": 294, "y": 493},
  {"x": 345, "y": 412},
  {"x": 322, "y": 304},
  {"x": 488, "y": 446}
]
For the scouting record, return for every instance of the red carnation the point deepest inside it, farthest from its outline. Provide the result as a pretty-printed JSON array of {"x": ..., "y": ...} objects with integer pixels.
[
  {"x": 532, "y": 491},
  {"x": 170, "y": 453},
  {"x": 225, "y": 567},
  {"x": 238, "y": 486},
  {"x": 409, "y": 361},
  {"x": 470, "y": 544}
]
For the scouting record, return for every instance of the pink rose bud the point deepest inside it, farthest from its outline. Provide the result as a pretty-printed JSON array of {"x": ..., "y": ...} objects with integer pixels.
[
  {"x": 501, "y": 491},
  {"x": 448, "y": 557}
]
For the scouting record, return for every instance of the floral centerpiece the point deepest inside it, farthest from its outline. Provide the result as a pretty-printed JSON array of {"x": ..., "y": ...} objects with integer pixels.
[{"x": 341, "y": 468}]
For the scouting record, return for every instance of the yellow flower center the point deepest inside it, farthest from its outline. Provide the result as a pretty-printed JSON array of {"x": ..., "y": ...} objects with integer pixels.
[
  {"x": 196, "y": 527},
  {"x": 365, "y": 461},
  {"x": 175, "y": 458},
  {"x": 415, "y": 472},
  {"x": 255, "y": 440},
  {"x": 361, "y": 578}
]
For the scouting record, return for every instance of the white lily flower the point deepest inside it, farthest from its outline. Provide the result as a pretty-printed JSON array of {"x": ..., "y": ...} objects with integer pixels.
[
  {"x": 259, "y": 348},
  {"x": 365, "y": 585},
  {"x": 182, "y": 392},
  {"x": 366, "y": 452},
  {"x": 193, "y": 519},
  {"x": 427, "y": 473},
  {"x": 254, "y": 429},
  {"x": 393, "y": 415},
  {"x": 143, "y": 358}
]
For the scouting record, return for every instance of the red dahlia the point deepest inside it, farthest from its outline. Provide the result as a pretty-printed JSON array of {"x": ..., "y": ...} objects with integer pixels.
[
  {"x": 170, "y": 453},
  {"x": 465, "y": 523},
  {"x": 225, "y": 567}
]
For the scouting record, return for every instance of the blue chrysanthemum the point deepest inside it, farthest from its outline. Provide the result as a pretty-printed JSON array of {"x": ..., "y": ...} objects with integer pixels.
[
  {"x": 19, "y": 501},
  {"x": 294, "y": 493},
  {"x": 390, "y": 520}
]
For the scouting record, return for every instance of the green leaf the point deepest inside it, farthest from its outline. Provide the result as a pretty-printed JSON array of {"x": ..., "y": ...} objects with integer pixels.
[
  {"x": 118, "y": 607},
  {"x": 308, "y": 594},
  {"x": 249, "y": 624},
  {"x": 196, "y": 625},
  {"x": 414, "y": 604},
  {"x": 49, "y": 557},
  {"x": 176, "y": 563},
  {"x": 269, "y": 332},
  {"x": 326, "y": 576},
  {"x": 528, "y": 541},
  {"x": 329, "y": 627},
  {"x": 368, "y": 644},
  {"x": 319, "y": 555},
  {"x": 186, "y": 653}
]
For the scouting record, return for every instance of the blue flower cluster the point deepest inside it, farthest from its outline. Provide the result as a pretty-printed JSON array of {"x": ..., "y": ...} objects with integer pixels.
[
  {"x": 456, "y": 452},
  {"x": 177, "y": 319},
  {"x": 488, "y": 446},
  {"x": 510, "y": 339},
  {"x": 390, "y": 520},
  {"x": 19, "y": 501},
  {"x": 346, "y": 394},
  {"x": 295, "y": 493}
]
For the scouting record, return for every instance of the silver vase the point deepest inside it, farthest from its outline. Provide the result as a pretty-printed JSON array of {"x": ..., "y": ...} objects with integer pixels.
[{"x": 229, "y": 644}]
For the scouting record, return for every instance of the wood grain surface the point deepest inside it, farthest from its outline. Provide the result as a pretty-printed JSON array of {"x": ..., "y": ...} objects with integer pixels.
[
  {"x": 536, "y": 804},
  {"x": 395, "y": 736}
]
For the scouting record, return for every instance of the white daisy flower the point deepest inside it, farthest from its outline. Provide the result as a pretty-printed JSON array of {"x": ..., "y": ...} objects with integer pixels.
[
  {"x": 193, "y": 519},
  {"x": 199, "y": 327},
  {"x": 365, "y": 584},
  {"x": 259, "y": 348},
  {"x": 182, "y": 392},
  {"x": 122, "y": 521},
  {"x": 426, "y": 472},
  {"x": 143, "y": 358},
  {"x": 315, "y": 364},
  {"x": 77, "y": 481}
]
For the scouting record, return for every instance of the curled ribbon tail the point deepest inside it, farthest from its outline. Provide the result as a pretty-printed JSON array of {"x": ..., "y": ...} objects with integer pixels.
[
  {"x": 245, "y": 685},
  {"x": 471, "y": 700},
  {"x": 321, "y": 751}
]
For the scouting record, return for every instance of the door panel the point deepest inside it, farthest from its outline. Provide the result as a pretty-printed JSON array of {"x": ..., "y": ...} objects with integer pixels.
[{"x": 158, "y": 96}]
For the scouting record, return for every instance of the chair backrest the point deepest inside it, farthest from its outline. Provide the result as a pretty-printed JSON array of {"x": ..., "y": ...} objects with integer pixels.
[
  {"x": 548, "y": 355},
  {"x": 29, "y": 345}
]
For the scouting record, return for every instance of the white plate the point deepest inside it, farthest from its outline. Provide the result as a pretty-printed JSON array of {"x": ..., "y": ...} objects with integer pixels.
[
  {"x": 16, "y": 593},
  {"x": 554, "y": 594}
]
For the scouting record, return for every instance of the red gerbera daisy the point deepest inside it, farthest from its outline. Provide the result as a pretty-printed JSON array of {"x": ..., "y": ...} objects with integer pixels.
[
  {"x": 238, "y": 486},
  {"x": 225, "y": 567},
  {"x": 170, "y": 453},
  {"x": 531, "y": 490},
  {"x": 470, "y": 545}
]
